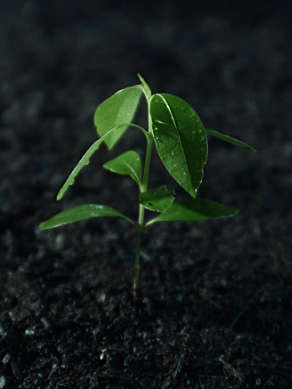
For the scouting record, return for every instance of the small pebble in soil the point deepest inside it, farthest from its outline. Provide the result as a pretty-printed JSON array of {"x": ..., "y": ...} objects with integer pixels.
[
  {"x": 6, "y": 359},
  {"x": 30, "y": 331},
  {"x": 4, "y": 382}
]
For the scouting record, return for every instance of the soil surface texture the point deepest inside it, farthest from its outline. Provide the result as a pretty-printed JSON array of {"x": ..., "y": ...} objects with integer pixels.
[{"x": 214, "y": 307}]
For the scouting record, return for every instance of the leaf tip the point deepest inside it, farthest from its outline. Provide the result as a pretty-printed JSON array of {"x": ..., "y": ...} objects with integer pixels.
[
  {"x": 42, "y": 226},
  {"x": 145, "y": 86}
]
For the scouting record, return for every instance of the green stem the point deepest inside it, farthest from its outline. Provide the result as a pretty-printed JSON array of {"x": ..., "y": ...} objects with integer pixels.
[
  {"x": 143, "y": 188},
  {"x": 137, "y": 260}
]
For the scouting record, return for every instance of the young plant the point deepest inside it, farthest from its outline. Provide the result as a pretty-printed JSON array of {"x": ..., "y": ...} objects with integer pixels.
[{"x": 181, "y": 143}]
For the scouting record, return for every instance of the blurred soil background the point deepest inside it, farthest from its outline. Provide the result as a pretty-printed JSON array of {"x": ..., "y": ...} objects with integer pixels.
[{"x": 214, "y": 306}]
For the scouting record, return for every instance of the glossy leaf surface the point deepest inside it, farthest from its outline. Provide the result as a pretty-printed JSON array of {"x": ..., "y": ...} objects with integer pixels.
[
  {"x": 118, "y": 109},
  {"x": 229, "y": 139},
  {"x": 128, "y": 163},
  {"x": 81, "y": 212},
  {"x": 157, "y": 199},
  {"x": 194, "y": 210},
  {"x": 180, "y": 140}
]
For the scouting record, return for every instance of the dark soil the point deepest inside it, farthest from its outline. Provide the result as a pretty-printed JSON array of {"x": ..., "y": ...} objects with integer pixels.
[{"x": 215, "y": 297}]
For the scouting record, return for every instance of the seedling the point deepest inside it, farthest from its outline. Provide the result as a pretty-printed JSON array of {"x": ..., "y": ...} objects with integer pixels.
[{"x": 181, "y": 143}]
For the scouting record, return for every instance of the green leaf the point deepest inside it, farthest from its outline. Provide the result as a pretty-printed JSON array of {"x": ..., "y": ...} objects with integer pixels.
[
  {"x": 85, "y": 159},
  {"x": 180, "y": 140},
  {"x": 229, "y": 139},
  {"x": 145, "y": 86},
  {"x": 157, "y": 199},
  {"x": 81, "y": 212},
  {"x": 117, "y": 109},
  {"x": 194, "y": 210},
  {"x": 128, "y": 163}
]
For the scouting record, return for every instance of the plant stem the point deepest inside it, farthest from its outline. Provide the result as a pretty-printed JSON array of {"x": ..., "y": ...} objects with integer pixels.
[
  {"x": 141, "y": 226},
  {"x": 137, "y": 259}
]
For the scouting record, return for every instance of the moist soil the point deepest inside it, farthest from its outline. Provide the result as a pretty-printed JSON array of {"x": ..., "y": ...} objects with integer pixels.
[{"x": 214, "y": 303}]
